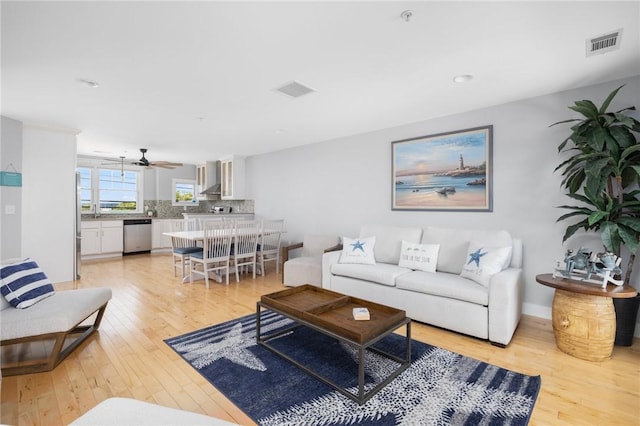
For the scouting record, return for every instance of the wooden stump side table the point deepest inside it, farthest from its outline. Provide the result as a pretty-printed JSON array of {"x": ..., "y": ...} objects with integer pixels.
[{"x": 583, "y": 316}]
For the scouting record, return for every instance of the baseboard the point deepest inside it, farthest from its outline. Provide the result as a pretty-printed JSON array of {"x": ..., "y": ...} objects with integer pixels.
[{"x": 544, "y": 312}]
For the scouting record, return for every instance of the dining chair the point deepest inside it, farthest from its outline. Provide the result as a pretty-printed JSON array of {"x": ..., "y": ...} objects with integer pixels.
[
  {"x": 182, "y": 248},
  {"x": 244, "y": 246},
  {"x": 215, "y": 254},
  {"x": 203, "y": 220},
  {"x": 269, "y": 243}
]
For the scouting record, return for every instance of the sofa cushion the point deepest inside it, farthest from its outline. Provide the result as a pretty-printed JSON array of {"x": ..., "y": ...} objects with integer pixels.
[
  {"x": 455, "y": 242},
  {"x": 445, "y": 285},
  {"x": 303, "y": 270},
  {"x": 483, "y": 262},
  {"x": 421, "y": 257},
  {"x": 358, "y": 250},
  {"x": 389, "y": 239},
  {"x": 24, "y": 284},
  {"x": 381, "y": 273}
]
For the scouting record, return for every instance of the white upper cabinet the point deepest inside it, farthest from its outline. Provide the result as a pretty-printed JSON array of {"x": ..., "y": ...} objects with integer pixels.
[{"x": 232, "y": 178}]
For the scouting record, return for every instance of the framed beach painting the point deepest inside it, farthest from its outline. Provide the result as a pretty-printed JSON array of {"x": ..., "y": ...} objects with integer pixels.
[{"x": 448, "y": 171}]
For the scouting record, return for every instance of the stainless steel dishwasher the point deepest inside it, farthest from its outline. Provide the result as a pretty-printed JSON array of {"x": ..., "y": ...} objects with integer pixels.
[{"x": 137, "y": 235}]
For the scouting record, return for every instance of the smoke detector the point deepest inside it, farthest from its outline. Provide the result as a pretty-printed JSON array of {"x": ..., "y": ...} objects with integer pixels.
[
  {"x": 294, "y": 89},
  {"x": 604, "y": 43}
]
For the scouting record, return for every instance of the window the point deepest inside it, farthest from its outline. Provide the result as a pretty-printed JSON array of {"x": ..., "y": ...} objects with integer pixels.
[
  {"x": 85, "y": 189},
  {"x": 110, "y": 190},
  {"x": 184, "y": 191}
]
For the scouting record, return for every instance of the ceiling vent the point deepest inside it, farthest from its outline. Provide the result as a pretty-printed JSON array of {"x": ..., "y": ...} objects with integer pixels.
[
  {"x": 294, "y": 89},
  {"x": 604, "y": 43}
]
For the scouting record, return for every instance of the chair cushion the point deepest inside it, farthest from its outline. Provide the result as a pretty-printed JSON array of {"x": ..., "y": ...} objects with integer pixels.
[
  {"x": 187, "y": 250},
  {"x": 24, "y": 284},
  {"x": 303, "y": 270},
  {"x": 60, "y": 312},
  {"x": 315, "y": 245}
]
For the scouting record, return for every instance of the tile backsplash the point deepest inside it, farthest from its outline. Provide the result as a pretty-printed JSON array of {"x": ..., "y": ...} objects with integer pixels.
[{"x": 164, "y": 209}]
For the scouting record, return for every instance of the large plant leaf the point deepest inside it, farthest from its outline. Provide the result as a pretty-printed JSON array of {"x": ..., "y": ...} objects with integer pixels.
[
  {"x": 607, "y": 102},
  {"x": 629, "y": 238},
  {"x": 586, "y": 108},
  {"x": 597, "y": 217},
  {"x": 572, "y": 229},
  {"x": 610, "y": 237},
  {"x": 632, "y": 223}
]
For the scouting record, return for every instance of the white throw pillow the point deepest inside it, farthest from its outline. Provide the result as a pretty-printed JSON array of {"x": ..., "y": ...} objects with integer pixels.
[
  {"x": 483, "y": 262},
  {"x": 422, "y": 257},
  {"x": 358, "y": 250}
]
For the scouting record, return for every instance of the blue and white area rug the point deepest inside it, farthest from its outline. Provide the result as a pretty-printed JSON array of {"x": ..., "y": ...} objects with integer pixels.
[{"x": 439, "y": 388}]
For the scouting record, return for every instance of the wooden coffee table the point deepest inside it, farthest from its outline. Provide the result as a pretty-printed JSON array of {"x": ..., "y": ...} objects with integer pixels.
[{"x": 331, "y": 313}]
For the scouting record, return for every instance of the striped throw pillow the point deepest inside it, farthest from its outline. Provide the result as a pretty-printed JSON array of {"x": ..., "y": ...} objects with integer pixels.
[{"x": 23, "y": 284}]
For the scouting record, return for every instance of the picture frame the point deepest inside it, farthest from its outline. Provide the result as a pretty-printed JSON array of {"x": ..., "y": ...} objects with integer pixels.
[{"x": 449, "y": 171}]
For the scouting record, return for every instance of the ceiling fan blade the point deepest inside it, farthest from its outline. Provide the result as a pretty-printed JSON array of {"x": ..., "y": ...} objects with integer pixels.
[
  {"x": 164, "y": 166},
  {"x": 166, "y": 163}
]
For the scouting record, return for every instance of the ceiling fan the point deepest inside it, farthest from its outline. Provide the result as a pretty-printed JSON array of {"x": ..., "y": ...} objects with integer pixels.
[{"x": 144, "y": 162}]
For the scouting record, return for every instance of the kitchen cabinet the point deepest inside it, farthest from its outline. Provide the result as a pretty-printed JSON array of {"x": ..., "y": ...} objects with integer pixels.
[
  {"x": 101, "y": 237},
  {"x": 90, "y": 242},
  {"x": 232, "y": 178},
  {"x": 158, "y": 227}
]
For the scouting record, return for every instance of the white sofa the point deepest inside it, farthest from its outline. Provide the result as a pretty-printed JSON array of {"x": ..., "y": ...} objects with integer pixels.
[{"x": 444, "y": 298}]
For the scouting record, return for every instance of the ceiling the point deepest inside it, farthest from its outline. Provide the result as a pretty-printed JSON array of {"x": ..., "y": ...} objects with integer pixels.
[{"x": 193, "y": 81}]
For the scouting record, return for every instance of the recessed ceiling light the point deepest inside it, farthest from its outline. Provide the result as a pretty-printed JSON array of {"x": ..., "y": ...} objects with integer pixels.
[
  {"x": 280, "y": 131},
  {"x": 462, "y": 78},
  {"x": 88, "y": 83}
]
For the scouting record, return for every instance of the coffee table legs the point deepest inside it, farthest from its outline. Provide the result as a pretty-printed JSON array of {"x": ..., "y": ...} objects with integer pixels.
[{"x": 363, "y": 395}]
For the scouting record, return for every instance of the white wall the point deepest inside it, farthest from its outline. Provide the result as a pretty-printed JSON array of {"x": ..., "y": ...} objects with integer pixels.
[
  {"x": 11, "y": 196},
  {"x": 48, "y": 199},
  {"x": 334, "y": 187}
]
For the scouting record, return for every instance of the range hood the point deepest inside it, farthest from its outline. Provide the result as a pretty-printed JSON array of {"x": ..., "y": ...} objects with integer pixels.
[
  {"x": 213, "y": 178},
  {"x": 212, "y": 190}
]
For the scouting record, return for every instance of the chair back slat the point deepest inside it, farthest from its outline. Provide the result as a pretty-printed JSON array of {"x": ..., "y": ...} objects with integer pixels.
[
  {"x": 246, "y": 238},
  {"x": 217, "y": 240}
]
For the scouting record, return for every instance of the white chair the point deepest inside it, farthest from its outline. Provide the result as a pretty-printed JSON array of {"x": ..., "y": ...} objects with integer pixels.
[
  {"x": 244, "y": 247},
  {"x": 205, "y": 219},
  {"x": 269, "y": 243},
  {"x": 182, "y": 248},
  {"x": 307, "y": 267},
  {"x": 215, "y": 255}
]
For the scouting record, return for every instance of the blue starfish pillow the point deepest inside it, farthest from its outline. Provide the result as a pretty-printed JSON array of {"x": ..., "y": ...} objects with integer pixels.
[
  {"x": 483, "y": 261},
  {"x": 358, "y": 250}
]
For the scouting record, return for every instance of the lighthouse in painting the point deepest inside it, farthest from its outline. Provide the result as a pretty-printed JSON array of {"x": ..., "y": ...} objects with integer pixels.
[{"x": 461, "y": 165}]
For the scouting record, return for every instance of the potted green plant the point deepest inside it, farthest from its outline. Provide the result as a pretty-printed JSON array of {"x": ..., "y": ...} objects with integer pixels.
[{"x": 602, "y": 172}]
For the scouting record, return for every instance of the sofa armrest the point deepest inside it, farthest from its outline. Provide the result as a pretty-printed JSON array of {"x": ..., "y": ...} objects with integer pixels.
[
  {"x": 287, "y": 249},
  {"x": 328, "y": 259},
  {"x": 334, "y": 248},
  {"x": 505, "y": 304}
]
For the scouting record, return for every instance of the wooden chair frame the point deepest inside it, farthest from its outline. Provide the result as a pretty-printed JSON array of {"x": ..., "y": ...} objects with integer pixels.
[{"x": 59, "y": 351}]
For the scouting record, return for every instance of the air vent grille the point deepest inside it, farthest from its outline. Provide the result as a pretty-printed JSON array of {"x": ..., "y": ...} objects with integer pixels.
[
  {"x": 294, "y": 89},
  {"x": 604, "y": 43}
]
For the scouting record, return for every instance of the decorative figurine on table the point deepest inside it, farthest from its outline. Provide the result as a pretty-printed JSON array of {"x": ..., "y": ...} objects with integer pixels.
[{"x": 582, "y": 265}]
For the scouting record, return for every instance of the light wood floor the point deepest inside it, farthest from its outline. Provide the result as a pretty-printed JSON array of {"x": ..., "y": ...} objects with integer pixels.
[{"x": 128, "y": 357}]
